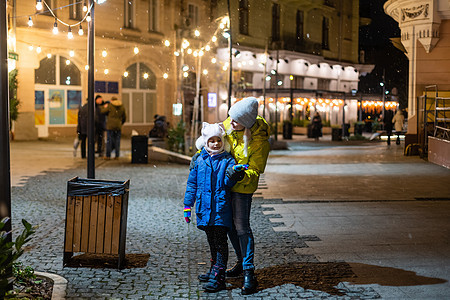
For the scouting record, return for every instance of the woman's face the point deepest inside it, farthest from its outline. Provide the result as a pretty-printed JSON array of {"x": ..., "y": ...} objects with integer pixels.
[
  {"x": 215, "y": 143},
  {"x": 236, "y": 126}
]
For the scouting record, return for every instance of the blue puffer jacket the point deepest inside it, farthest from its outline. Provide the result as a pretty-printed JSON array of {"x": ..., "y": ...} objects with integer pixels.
[{"x": 209, "y": 188}]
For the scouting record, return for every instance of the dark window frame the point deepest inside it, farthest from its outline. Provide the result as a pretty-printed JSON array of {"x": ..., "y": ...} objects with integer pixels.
[
  {"x": 244, "y": 16},
  {"x": 326, "y": 33},
  {"x": 276, "y": 22},
  {"x": 299, "y": 20}
]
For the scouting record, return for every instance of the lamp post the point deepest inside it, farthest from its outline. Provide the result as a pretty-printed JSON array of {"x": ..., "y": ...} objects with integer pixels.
[
  {"x": 230, "y": 45},
  {"x": 91, "y": 101}
]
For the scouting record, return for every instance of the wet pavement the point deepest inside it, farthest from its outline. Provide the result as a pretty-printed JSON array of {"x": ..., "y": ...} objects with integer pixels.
[{"x": 320, "y": 206}]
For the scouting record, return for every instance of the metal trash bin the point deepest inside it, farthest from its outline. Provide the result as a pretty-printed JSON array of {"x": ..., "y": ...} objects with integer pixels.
[
  {"x": 139, "y": 149},
  {"x": 96, "y": 218}
]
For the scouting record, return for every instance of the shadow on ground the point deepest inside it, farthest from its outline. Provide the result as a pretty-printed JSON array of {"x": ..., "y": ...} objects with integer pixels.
[
  {"x": 326, "y": 276},
  {"x": 107, "y": 261}
]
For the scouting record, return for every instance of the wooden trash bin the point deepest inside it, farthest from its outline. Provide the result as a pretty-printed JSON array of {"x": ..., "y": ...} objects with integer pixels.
[{"x": 96, "y": 218}]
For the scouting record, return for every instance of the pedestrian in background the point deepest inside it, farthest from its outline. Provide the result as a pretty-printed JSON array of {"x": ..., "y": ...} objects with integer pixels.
[
  {"x": 116, "y": 116},
  {"x": 398, "y": 120},
  {"x": 100, "y": 124},
  {"x": 82, "y": 129},
  {"x": 387, "y": 122},
  {"x": 316, "y": 126},
  {"x": 248, "y": 136},
  {"x": 208, "y": 182}
]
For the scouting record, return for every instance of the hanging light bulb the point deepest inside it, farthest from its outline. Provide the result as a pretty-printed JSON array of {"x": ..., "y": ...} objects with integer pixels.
[
  {"x": 200, "y": 53},
  {"x": 214, "y": 39},
  {"x": 67, "y": 62},
  {"x": 145, "y": 75},
  {"x": 80, "y": 31},
  {"x": 86, "y": 67},
  {"x": 213, "y": 60},
  {"x": 189, "y": 51},
  {"x": 88, "y": 18},
  {"x": 176, "y": 53},
  {"x": 30, "y": 48},
  {"x": 207, "y": 48},
  {"x": 166, "y": 43},
  {"x": 205, "y": 72},
  {"x": 196, "y": 32},
  {"x": 69, "y": 33},
  {"x": 136, "y": 50},
  {"x": 38, "y": 49},
  {"x": 165, "y": 75},
  {"x": 106, "y": 71},
  {"x": 71, "y": 53},
  {"x": 185, "y": 74},
  {"x": 39, "y": 4},
  {"x": 185, "y": 44},
  {"x": 185, "y": 68},
  {"x": 125, "y": 74},
  {"x": 85, "y": 7},
  {"x": 104, "y": 53},
  {"x": 55, "y": 27},
  {"x": 30, "y": 22}
]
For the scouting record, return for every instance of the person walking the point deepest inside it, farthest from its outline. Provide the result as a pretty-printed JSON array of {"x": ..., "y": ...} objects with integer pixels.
[
  {"x": 116, "y": 117},
  {"x": 248, "y": 136},
  {"x": 316, "y": 126},
  {"x": 82, "y": 128},
  {"x": 398, "y": 120},
  {"x": 210, "y": 182},
  {"x": 387, "y": 122},
  {"x": 100, "y": 124}
]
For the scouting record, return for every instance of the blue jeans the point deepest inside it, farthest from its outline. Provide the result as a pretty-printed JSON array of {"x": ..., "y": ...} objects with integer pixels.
[
  {"x": 113, "y": 140},
  {"x": 241, "y": 235}
]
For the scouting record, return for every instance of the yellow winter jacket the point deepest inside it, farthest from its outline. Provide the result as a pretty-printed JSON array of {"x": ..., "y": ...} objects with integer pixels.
[{"x": 258, "y": 152}]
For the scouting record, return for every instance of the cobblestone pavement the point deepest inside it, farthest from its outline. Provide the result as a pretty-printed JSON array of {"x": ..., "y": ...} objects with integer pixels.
[{"x": 178, "y": 252}]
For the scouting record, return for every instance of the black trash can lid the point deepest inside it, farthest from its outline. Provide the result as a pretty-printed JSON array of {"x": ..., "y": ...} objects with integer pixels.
[{"x": 92, "y": 187}]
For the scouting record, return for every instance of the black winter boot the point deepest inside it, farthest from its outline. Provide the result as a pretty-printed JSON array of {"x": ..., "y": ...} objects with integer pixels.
[
  {"x": 235, "y": 270},
  {"x": 216, "y": 281},
  {"x": 250, "y": 282},
  {"x": 205, "y": 277}
]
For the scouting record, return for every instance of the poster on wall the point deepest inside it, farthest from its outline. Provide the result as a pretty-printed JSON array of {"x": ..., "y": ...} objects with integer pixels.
[
  {"x": 56, "y": 107},
  {"x": 39, "y": 108},
  {"x": 73, "y": 105}
]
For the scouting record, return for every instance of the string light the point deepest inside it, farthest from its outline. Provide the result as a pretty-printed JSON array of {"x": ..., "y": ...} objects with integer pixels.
[
  {"x": 125, "y": 74},
  {"x": 67, "y": 62},
  {"x": 38, "y": 49},
  {"x": 185, "y": 74},
  {"x": 85, "y": 9},
  {"x": 55, "y": 27},
  {"x": 88, "y": 18},
  {"x": 205, "y": 72},
  {"x": 30, "y": 22},
  {"x": 30, "y": 48},
  {"x": 136, "y": 50},
  {"x": 214, "y": 39},
  {"x": 69, "y": 33},
  {"x": 176, "y": 53},
  {"x": 104, "y": 53},
  {"x": 39, "y": 5},
  {"x": 80, "y": 31},
  {"x": 185, "y": 68},
  {"x": 145, "y": 75},
  {"x": 196, "y": 32},
  {"x": 207, "y": 48},
  {"x": 106, "y": 71},
  {"x": 166, "y": 43},
  {"x": 165, "y": 75},
  {"x": 213, "y": 60},
  {"x": 71, "y": 53},
  {"x": 49, "y": 55},
  {"x": 86, "y": 67},
  {"x": 185, "y": 44},
  {"x": 189, "y": 51}
]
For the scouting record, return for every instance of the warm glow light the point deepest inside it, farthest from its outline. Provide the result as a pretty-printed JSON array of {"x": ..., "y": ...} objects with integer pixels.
[
  {"x": 136, "y": 50},
  {"x": 80, "y": 31},
  {"x": 195, "y": 53},
  {"x": 176, "y": 53},
  {"x": 104, "y": 53},
  {"x": 30, "y": 48},
  {"x": 166, "y": 43},
  {"x": 85, "y": 9},
  {"x": 38, "y": 49},
  {"x": 67, "y": 62},
  {"x": 106, "y": 71},
  {"x": 125, "y": 74},
  {"x": 30, "y": 22},
  {"x": 55, "y": 28},
  {"x": 185, "y": 68},
  {"x": 189, "y": 51},
  {"x": 224, "y": 68},
  {"x": 185, "y": 44},
  {"x": 145, "y": 75},
  {"x": 213, "y": 60},
  {"x": 185, "y": 74},
  {"x": 291, "y": 77},
  {"x": 200, "y": 53},
  {"x": 86, "y": 67},
  {"x": 69, "y": 33},
  {"x": 207, "y": 48},
  {"x": 39, "y": 5},
  {"x": 205, "y": 72},
  {"x": 196, "y": 32},
  {"x": 165, "y": 76},
  {"x": 49, "y": 55},
  {"x": 88, "y": 18},
  {"x": 214, "y": 39},
  {"x": 222, "y": 26},
  {"x": 72, "y": 53}
]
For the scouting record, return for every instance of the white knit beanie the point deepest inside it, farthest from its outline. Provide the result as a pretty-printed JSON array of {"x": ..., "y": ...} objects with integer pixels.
[
  {"x": 245, "y": 111},
  {"x": 208, "y": 131}
]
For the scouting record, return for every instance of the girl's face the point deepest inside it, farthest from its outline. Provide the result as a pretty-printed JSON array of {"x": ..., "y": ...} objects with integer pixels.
[
  {"x": 236, "y": 126},
  {"x": 215, "y": 143}
]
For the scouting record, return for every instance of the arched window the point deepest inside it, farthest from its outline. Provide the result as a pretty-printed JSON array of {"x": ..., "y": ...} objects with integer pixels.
[{"x": 139, "y": 93}]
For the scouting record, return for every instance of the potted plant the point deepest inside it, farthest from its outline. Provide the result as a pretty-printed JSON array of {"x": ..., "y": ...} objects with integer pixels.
[{"x": 14, "y": 103}]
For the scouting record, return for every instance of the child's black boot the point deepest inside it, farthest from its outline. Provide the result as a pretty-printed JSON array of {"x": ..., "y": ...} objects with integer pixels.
[
  {"x": 216, "y": 281},
  {"x": 205, "y": 277}
]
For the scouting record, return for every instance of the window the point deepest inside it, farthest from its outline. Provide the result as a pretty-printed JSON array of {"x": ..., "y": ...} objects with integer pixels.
[
  {"x": 275, "y": 22},
  {"x": 75, "y": 10},
  {"x": 193, "y": 15},
  {"x": 323, "y": 84},
  {"x": 243, "y": 16},
  {"x": 45, "y": 10},
  {"x": 152, "y": 15},
  {"x": 46, "y": 74},
  {"x": 68, "y": 72},
  {"x": 297, "y": 83},
  {"x": 299, "y": 27},
  {"x": 129, "y": 14},
  {"x": 325, "y": 33},
  {"x": 348, "y": 28},
  {"x": 129, "y": 77}
]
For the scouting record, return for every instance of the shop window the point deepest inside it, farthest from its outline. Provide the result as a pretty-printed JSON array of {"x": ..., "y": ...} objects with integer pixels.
[
  {"x": 68, "y": 72},
  {"x": 323, "y": 84},
  {"x": 297, "y": 83},
  {"x": 46, "y": 73}
]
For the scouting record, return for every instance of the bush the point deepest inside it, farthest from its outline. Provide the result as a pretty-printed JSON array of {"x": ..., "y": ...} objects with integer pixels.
[
  {"x": 175, "y": 137},
  {"x": 300, "y": 123},
  {"x": 10, "y": 252}
]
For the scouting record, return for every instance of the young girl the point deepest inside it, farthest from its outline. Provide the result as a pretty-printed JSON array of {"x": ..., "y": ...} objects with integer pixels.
[{"x": 209, "y": 186}]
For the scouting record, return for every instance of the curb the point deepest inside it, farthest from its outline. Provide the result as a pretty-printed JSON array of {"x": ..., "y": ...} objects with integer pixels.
[{"x": 59, "y": 284}]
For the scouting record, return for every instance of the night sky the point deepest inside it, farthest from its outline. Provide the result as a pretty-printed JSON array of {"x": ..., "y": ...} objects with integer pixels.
[{"x": 374, "y": 40}]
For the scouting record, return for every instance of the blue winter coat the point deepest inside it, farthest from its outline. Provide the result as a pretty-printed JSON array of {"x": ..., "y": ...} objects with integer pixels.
[{"x": 209, "y": 188}]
